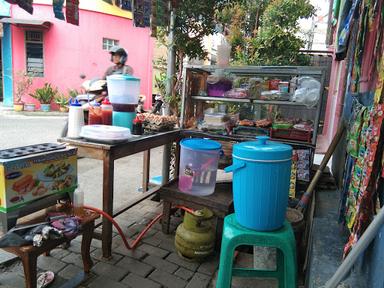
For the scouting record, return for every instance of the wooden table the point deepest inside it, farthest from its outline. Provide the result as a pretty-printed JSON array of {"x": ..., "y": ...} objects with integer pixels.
[
  {"x": 220, "y": 202},
  {"x": 108, "y": 154},
  {"x": 28, "y": 254}
]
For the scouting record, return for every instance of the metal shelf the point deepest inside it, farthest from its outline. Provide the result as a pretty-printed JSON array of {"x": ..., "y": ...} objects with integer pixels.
[
  {"x": 221, "y": 99},
  {"x": 261, "y": 70},
  {"x": 190, "y": 103},
  {"x": 254, "y": 101},
  {"x": 241, "y": 138}
]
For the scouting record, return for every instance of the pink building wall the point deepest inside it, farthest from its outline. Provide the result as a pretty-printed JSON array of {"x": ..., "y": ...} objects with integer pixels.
[
  {"x": 334, "y": 108},
  {"x": 71, "y": 50},
  {"x": 336, "y": 95}
]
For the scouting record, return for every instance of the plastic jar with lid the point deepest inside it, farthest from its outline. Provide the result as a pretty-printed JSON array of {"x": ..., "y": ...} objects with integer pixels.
[{"x": 106, "y": 112}]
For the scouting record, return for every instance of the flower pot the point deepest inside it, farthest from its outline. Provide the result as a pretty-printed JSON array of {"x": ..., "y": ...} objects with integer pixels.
[
  {"x": 64, "y": 109},
  {"x": 45, "y": 107},
  {"x": 18, "y": 107},
  {"x": 29, "y": 107}
]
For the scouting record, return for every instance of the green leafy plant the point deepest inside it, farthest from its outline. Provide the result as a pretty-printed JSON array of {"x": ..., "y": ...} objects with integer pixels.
[
  {"x": 61, "y": 100},
  {"x": 194, "y": 21},
  {"x": 161, "y": 82},
  {"x": 264, "y": 32},
  {"x": 23, "y": 83},
  {"x": 72, "y": 93},
  {"x": 46, "y": 94}
]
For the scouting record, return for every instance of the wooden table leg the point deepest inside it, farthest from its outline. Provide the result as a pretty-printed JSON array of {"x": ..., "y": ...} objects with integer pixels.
[
  {"x": 86, "y": 246},
  {"x": 146, "y": 167},
  {"x": 166, "y": 219},
  {"x": 29, "y": 261},
  {"x": 108, "y": 177}
]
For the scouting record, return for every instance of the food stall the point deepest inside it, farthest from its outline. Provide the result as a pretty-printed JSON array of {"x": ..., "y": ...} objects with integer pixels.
[
  {"x": 238, "y": 103},
  {"x": 235, "y": 105}
]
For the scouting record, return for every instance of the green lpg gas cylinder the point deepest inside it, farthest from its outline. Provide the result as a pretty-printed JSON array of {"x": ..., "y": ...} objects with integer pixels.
[{"x": 195, "y": 238}]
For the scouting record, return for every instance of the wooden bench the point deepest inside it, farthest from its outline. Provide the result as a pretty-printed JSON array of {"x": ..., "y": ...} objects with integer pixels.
[
  {"x": 29, "y": 254},
  {"x": 220, "y": 203}
]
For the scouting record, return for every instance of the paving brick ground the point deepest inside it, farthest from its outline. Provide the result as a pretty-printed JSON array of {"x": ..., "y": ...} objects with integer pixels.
[{"x": 154, "y": 264}]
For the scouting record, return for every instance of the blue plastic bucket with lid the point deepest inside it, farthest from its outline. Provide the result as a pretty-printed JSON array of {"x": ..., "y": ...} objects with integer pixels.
[
  {"x": 261, "y": 176},
  {"x": 198, "y": 166}
]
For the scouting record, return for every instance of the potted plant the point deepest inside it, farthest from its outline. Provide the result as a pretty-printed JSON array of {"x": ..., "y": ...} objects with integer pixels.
[
  {"x": 62, "y": 101},
  {"x": 23, "y": 83},
  {"x": 45, "y": 95}
]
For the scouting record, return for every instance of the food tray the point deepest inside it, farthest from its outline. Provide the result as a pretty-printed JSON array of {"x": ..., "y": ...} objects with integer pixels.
[
  {"x": 291, "y": 134},
  {"x": 28, "y": 150},
  {"x": 155, "y": 123}
]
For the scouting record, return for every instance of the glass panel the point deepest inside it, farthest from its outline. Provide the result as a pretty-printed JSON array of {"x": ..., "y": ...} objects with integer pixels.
[
  {"x": 109, "y": 43},
  {"x": 35, "y": 62}
]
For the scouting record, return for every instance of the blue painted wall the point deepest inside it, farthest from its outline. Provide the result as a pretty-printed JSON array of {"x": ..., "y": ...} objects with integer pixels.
[{"x": 7, "y": 65}]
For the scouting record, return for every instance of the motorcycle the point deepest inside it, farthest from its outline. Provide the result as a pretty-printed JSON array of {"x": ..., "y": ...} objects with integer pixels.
[
  {"x": 95, "y": 90},
  {"x": 159, "y": 101}
]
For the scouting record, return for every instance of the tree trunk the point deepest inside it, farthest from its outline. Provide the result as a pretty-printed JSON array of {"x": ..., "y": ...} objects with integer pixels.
[{"x": 257, "y": 20}]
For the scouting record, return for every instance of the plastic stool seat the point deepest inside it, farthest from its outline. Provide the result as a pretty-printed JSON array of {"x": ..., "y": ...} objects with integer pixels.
[{"x": 283, "y": 240}]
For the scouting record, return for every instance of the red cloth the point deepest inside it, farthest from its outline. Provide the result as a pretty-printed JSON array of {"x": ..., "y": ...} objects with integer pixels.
[{"x": 72, "y": 12}]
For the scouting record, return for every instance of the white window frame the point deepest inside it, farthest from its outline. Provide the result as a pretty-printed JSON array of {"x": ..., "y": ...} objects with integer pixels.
[
  {"x": 108, "y": 43},
  {"x": 38, "y": 62}
]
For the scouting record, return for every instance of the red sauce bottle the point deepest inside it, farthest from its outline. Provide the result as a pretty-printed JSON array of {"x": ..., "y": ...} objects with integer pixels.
[
  {"x": 95, "y": 117},
  {"x": 106, "y": 112}
]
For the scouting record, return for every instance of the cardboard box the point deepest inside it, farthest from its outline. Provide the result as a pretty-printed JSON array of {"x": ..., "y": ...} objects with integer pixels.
[{"x": 28, "y": 178}]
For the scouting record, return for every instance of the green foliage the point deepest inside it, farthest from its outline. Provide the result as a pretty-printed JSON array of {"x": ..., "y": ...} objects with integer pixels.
[
  {"x": 23, "y": 83},
  {"x": 61, "y": 100},
  {"x": 194, "y": 21},
  {"x": 46, "y": 94},
  {"x": 72, "y": 93},
  {"x": 263, "y": 32},
  {"x": 161, "y": 82}
]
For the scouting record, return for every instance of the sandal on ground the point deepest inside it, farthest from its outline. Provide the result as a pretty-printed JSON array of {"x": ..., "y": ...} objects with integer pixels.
[{"x": 44, "y": 279}]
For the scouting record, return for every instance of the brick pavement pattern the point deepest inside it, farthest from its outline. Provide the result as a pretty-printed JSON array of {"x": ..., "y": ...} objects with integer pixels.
[{"x": 153, "y": 264}]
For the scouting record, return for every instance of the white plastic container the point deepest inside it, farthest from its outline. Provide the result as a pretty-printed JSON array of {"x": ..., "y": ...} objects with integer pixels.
[
  {"x": 105, "y": 133},
  {"x": 75, "y": 119},
  {"x": 198, "y": 166},
  {"x": 123, "y": 89}
]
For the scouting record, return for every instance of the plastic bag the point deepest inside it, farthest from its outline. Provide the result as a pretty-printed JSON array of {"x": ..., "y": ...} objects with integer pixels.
[
  {"x": 308, "y": 91},
  {"x": 223, "y": 53}
]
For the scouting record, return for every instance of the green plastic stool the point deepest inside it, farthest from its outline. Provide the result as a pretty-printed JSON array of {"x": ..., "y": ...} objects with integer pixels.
[{"x": 283, "y": 240}]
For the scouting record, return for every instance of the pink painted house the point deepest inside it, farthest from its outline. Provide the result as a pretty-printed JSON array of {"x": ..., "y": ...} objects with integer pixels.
[{"x": 59, "y": 52}]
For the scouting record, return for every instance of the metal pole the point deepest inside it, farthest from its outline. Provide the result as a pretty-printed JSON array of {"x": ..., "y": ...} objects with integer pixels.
[
  {"x": 169, "y": 87},
  {"x": 360, "y": 246},
  {"x": 171, "y": 58}
]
